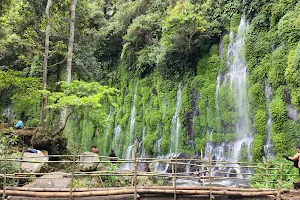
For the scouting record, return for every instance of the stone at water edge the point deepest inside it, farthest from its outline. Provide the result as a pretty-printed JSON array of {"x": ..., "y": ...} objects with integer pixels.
[
  {"x": 91, "y": 162},
  {"x": 33, "y": 167}
]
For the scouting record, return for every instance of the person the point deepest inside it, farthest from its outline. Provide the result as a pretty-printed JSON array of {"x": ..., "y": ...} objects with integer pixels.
[
  {"x": 295, "y": 158},
  {"x": 19, "y": 124},
  {"x": 112, "y": 155},
  {"x": 94, "y": 149}
]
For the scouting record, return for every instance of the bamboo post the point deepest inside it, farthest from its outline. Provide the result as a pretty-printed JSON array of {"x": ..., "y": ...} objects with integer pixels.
[
  {"x": 4, "y": 174},
  {"x": 173, "y": 177},
  {"x": 280, "y": 182},
  {"x": 175, "y": 196},
  {"x": 73, "y": 169},
  {"x": 20, "y": 163},
  {"x": 209, "y": 175},
  {"x": 202, "y": 167},
  {"x": 135, "y": 174},
  {"x": 267, "y": 173}
]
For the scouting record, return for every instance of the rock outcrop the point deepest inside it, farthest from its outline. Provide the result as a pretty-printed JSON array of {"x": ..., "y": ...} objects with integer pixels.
[
  {"x": 51, "y": 180},
  {"x": 90, "y": 162},
  {"x": 38, "y": 161}
]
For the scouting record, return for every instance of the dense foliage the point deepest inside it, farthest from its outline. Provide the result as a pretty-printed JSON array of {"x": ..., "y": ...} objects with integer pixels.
[{"x": 147, "y": 49}]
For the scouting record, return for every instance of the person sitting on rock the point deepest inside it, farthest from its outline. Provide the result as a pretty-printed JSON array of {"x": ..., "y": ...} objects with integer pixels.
[
  {"x": 19, "y": 125},
  {"x": 94, "y": 149}
]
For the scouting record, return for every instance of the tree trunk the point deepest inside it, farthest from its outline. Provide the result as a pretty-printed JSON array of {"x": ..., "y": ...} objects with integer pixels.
[
  {"x": 45, "y": 70},
  {"x": 63, "y": 116},
  {"x": 71, "y": 41}
]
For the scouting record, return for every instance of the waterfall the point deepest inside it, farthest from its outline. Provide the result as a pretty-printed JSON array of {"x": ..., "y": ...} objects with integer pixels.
[
  {"x": 128, "y": 155},
  {"x": 268, "y": 146},
  {"x": 174, "y": 137},
  {"x": 132, "y": 137},
  {"x": 141, "y": 148},
  {"x": 217, "y": 102},
  {"x": 132, "y": 117},
  {"x": 106, "y": 132},
  {"x": 236, "y": 77},
  {"x": 8, "y": 116},
  {"x": 117, "y": 138},
  {"x": 175, "y": 124},
  {"x": 158, "y": 142},
  {"x": 238, "y": 83}
]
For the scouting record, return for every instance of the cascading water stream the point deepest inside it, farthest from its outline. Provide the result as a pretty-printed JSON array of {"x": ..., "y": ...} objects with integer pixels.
[
  {"x": 132, "y": 117},
  {"x": 175, "y": 124},
  {"x": 132, "y": 137},
  {"x": 175, "y": 135},
  {"x": 240, "y": 147},
  {"x": 158, "y": 142},
  {"x": 268, "y": 147},
  {"x": 117, "y": 138},
  {"x": 106, "y": 133},
  {"x": 218, "y": 102},
  {"x": 141, "y": 148},
  {"x": 8, "y": 116},
  {"x": 238, "y": 79}
]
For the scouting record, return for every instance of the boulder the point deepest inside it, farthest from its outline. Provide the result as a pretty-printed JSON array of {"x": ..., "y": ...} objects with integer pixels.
[
  {"x": 292, "y": 112},
  {"x": 90, "y": 162},
  {"x": 51, "y": 180},
  {"x": 143, "y": 167},
  {"x": 33, "y": 167}
]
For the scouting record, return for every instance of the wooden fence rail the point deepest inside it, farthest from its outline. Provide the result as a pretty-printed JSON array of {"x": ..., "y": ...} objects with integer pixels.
[{"x": 206, "y": 173}]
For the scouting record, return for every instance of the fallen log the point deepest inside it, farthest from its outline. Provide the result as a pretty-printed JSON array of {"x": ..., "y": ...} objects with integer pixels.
[
  {"x": 131, "y": 191},
  {"x": 28, "y": 131}
]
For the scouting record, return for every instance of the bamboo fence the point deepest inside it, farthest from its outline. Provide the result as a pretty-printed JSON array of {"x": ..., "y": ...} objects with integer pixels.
[{"x": 208, "y": 168}]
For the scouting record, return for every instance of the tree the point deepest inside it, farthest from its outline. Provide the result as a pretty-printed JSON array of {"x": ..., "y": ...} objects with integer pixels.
[
  {"x": 45, "y": 70},
  {"x": 63, "y": 117},
  {"x": 185, "y": 37},
  {"x": 76, "y": 97}
]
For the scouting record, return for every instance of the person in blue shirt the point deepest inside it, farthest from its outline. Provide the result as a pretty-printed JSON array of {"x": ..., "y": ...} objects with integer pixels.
[{"x": 19, "y": 124}]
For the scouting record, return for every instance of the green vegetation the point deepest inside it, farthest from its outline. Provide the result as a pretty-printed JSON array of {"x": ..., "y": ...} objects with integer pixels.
[
  {"x": 7, "y": 152},
  {"x": 290, "y": 174},
  {"x": 146, "y": 49}
]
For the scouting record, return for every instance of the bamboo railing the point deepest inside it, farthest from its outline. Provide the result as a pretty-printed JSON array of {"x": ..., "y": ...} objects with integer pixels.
[{"x": 205, "y": 175}]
